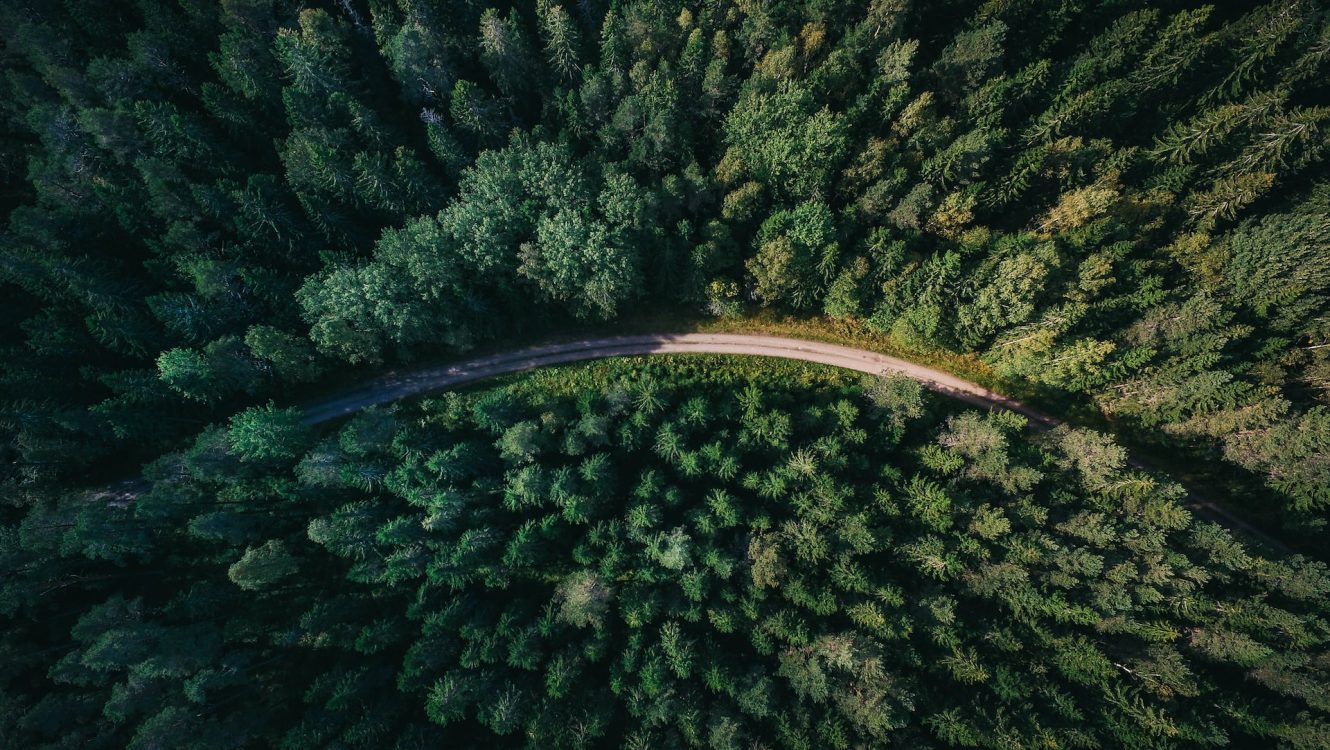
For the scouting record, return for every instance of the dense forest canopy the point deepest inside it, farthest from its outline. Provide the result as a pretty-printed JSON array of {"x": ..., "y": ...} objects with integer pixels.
[
  {"x": 210, "y": 209},
  {"x": 1118, "y": 202},
  {"x": 663, "y": 555}
]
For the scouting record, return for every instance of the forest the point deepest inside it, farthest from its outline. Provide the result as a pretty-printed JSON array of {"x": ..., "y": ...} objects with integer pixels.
[
  {"x": 662, "y": 555},
  {"x": 1116, "y": 209}
]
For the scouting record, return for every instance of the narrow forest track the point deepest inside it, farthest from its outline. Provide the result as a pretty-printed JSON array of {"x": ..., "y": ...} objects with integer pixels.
[{"x": 396, "y": 386}]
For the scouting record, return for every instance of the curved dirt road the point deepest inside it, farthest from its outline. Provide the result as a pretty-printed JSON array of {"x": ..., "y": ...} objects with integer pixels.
[{"x": 393, "y": 387}]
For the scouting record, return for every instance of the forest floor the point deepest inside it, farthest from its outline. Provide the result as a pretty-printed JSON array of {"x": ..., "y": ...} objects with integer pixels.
[{"x": 393, "y": 386}]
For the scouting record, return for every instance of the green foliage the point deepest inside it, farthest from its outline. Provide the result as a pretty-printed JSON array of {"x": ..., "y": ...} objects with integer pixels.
[
  {"x": 796, "y": 254},
  {"x": 1121, "y": 205},
  {"x": 583, "y": 600},
  {"x": 899, "y": 398},
  {"x": 291, "y": 356},
  {"x": 238, "y": 197},
  {"x": 267, "y": 433},
  {"x": 263, "y": 567},
  {"x": 783, "y": 140},
  {"x": 460, "y": 566}
]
